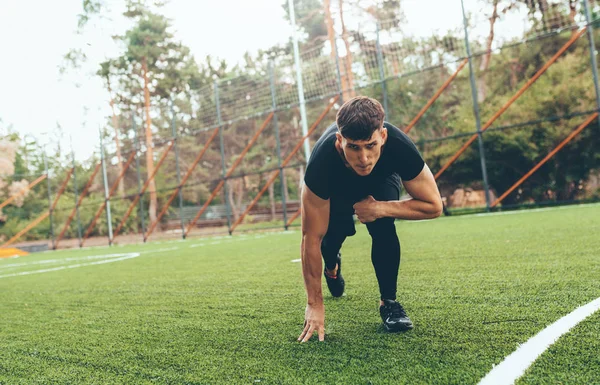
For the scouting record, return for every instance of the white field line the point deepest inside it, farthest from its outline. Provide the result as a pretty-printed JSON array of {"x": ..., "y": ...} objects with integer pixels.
[
  {"x": 513, "y": 366},
  {"x": 160, "y": 250},
  {"x": 50, "y": 261},
  {"x": 228, "y": 239},
  {"x": 296, "y": 260},
  {"x": 124, "y": 257}
]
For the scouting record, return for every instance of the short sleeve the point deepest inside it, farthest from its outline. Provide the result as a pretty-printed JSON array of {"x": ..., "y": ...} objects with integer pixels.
[
  {"x": 411, "y": 162},
  {"x": 317, "y": 176}
]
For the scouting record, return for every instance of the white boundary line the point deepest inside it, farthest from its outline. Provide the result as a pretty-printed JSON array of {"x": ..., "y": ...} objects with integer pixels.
[
  {"x": 515, "y": 365},
  {"x": 59, "y": 260},
  {"x": 159, "y": 250},
  {"x": 124, "y": 257}
]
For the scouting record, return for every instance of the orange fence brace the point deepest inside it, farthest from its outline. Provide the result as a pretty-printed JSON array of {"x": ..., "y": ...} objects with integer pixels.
[
  {"x": 237, "y": 162},
  {"x": 43, "y": 216},
  {"x": 81, "y": 197},
  {"x": 435, "y": 97},
  {"x": 185, "y": 178},
  {"x": 110, "y": 194},
  {"x": 285, "y": 163},
  {"x": 293, "y": 218},
  {"x": 513, "y": 99},
  {"x": 62, "y": 188},
  {"x": 146, "y": 184},
  {"x": 23, "y": 191},
  {"x": 26, "y": 229},
  {"x": 550, "y": 155}
]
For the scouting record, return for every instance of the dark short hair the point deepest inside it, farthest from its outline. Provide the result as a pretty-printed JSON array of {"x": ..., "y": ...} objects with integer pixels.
[{"x": 359, "y": 118}]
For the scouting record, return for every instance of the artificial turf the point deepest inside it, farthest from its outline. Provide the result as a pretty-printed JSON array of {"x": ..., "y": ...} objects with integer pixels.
[{"x": 229, "y": 310}]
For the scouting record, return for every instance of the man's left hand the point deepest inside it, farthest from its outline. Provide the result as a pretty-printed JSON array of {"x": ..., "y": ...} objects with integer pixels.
[{"x": 367, "y": 210}]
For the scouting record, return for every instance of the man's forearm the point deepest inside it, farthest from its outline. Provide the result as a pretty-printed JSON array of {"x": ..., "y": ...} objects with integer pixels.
[
  {"x": 311, "y": 269},
  {"x": 409, "y": 209}
]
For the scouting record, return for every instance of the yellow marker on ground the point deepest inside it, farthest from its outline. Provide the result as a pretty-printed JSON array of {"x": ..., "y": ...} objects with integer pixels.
[{"x": 11, "y": 252}]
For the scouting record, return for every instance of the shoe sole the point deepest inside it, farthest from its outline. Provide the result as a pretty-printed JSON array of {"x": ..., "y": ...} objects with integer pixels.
[{"x": 398, "y": 329}]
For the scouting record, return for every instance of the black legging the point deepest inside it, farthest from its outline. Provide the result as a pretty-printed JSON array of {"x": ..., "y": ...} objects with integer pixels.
[{"x": 385, "y": 247}]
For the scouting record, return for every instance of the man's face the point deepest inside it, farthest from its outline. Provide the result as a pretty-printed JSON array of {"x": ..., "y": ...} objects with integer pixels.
[{"x": 362, "y": 155}]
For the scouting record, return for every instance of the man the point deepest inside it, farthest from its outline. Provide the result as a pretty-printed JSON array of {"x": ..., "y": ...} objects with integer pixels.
[{"x": 356, "y": 167}]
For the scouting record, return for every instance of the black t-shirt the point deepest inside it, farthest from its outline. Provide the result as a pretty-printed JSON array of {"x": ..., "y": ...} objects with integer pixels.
[{"x": 328, "y": 177}]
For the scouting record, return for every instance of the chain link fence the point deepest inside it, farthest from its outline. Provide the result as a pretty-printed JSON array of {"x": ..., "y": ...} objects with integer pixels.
[{"x": 490, "y": 91}]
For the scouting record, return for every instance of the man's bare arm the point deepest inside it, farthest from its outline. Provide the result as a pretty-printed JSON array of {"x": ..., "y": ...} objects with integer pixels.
[
  {"x": 315, "y": 219},
  {"x": 425, "y": 203}
]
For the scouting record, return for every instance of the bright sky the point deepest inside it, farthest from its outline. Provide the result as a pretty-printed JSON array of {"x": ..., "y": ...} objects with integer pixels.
[{"x": 36, "y": 34}]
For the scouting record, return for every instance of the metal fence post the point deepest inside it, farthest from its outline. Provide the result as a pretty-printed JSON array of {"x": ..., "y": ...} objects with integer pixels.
[
  {"x": 382, "y": 75},
  {"x": 76, "y": 190},
  {"x": 106, "y": 197},
  {"x": 476, "y": 110},
  {"x": 593, "y": 60},
  {"x": 222, "y": 149},
  {"x": 139, "y": 176},
  {"x": 338, "y": 70},
  {"x": 179, "y": 186},
  {"x": 299, "y": 81},
  {"x": 278, "y": 140},
  {"x": 49, "y": 198}
]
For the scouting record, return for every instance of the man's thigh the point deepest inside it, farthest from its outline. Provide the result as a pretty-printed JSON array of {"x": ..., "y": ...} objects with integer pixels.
[{"x": 388, "y": 189}]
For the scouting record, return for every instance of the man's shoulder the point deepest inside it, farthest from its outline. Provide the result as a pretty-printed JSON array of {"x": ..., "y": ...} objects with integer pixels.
[
  {"x": 393, "y": 131},
  {"x": 326, "y": 143},
  {"x": 397, "y": 137}
]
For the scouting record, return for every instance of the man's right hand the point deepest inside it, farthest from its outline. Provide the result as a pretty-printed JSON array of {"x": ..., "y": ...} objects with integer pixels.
[{"x": 314, "y": 321}]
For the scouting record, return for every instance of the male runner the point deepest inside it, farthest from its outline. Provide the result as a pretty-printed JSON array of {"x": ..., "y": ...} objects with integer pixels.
[{"x": 356, "y": 167}]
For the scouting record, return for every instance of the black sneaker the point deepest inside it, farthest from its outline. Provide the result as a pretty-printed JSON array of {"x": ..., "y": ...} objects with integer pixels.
[
  {"x": 394, "y": 317},
  {"x": 336, "y": 284}
]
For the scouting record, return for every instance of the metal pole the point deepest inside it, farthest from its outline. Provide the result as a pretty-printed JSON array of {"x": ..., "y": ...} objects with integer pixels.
[
  {"x": 49, "y": 198},
  {"x": 222, "y": 148},
  {"x": 179, "y": 186},
  {"x": 76, "y": 190},
  {"x": 594, "y": 62},
  {"x": 139, "y": 176},
  {"x": 339, "y": 72},
  {"x": 106, "y": 197},
  {"x": 382, "y": 76},
  {"x": 476, "y": 110},
  {"x": 299, "y": 79},
  {"x": 278, "y": 139}
]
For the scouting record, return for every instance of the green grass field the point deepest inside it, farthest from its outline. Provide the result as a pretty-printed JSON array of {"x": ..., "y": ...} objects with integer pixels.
[{"x": 229, "y": 310}]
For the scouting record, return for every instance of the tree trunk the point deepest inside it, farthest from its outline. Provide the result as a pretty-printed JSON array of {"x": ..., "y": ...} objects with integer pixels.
[
  {"x": 485, "y": 61},
  {"x": 349, "y": 93},
  {"x": 241, "y": 190},
  {"x": 234, "y": 210},
  {"x": 118, "y": 144},
  {"x": 149, "y": 149},
  {"x": 514, "y": 67}
]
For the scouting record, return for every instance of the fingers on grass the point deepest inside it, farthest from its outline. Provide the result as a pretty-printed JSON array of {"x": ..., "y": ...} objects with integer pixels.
[
  {"x": 304, "y": 332},
  {"x": 308, "y": 335}
]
